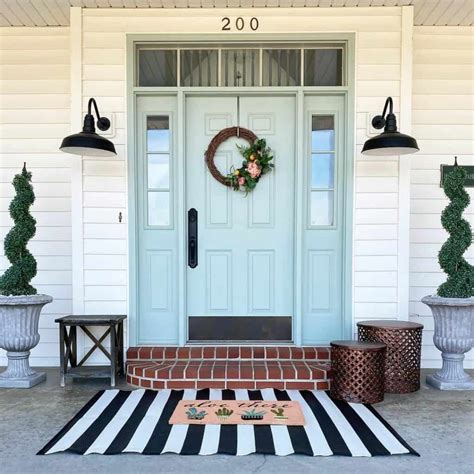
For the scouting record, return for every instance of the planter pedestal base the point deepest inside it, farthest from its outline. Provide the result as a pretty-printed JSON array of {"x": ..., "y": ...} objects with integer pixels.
[
  {"x": 452, "y": 375},
  {"x": 443, "y": 385},
  {"x": 19, "y": 374},
  {"x": 22, "y": 382}
]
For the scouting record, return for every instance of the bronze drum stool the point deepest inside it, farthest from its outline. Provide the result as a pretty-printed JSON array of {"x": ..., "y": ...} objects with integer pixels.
[
  {"x": 402, "y": 361},
  {"x": 358, "y": 371}
]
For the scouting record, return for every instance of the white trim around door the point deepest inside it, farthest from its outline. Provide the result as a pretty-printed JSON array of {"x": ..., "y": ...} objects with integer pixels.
[{"x": 300, "y": 95}]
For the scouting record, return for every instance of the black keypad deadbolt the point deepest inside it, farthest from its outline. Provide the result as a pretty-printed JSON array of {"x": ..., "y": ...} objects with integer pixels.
[{"x": 192, "y": 238}]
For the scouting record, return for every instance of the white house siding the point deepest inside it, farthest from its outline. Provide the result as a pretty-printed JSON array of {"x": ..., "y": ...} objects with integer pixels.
[
  {"x": 443, "y": 122},
  {"x": 34, "y": 116},
  {"x": 100, "y": 259}
]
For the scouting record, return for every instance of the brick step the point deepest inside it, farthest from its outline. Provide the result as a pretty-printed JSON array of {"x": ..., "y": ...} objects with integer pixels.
[
  {"x": 233, "y": 367},
  {"x": 229, "y": 352},
  {"x": 233, "y": 374}
]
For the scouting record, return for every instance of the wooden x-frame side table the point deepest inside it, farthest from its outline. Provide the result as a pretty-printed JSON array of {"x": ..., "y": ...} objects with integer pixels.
[{"x": 68, "y": 343}]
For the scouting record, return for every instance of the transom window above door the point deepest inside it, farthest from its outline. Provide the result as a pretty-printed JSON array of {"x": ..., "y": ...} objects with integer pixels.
[{"x": 319, "y": 65}]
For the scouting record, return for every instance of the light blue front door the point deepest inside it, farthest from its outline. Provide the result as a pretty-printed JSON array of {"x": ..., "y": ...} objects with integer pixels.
[
  {"x": 245, "y": 243},
  {"x": 278, "y": 252}
]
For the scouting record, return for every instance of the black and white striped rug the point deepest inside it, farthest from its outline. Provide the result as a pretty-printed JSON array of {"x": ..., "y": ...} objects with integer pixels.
[{"x": 118, "y": 421}]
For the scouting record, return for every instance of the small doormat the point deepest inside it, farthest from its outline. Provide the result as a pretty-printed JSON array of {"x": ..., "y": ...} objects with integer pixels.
[
  {"x": 237, "y": 412},
  {"x": 118, "y": 421}
]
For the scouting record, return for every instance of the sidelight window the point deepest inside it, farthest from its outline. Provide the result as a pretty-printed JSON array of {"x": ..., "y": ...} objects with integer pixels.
[
  {"x": 322, "y": 170},
  {"x": 158, "y": 170}
]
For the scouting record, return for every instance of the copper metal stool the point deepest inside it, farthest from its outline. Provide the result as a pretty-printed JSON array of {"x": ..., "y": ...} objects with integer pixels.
[
  {"x": 358, "y": 371},
  {"x": 402, "y": 361}
]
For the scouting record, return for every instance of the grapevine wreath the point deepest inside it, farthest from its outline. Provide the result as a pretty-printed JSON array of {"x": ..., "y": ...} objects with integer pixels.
[{"x": 256, "y": 163}]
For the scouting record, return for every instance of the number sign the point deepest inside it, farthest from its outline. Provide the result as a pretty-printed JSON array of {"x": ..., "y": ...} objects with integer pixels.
[{"x": 239, "y": 24}]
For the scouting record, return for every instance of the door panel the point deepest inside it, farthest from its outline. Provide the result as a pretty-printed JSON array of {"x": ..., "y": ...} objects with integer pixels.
[
  {"x": 156, "y": 163},
  {"x": 245, "y": 242},
  {"x": 323, "y": 271}
]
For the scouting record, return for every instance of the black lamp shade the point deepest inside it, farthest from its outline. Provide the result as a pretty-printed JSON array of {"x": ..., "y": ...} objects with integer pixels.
[
  {"x": 390, "y": 143},
  {"x": 88, "y": 144}
]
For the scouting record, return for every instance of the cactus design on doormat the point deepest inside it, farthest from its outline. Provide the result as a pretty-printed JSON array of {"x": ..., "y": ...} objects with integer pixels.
[
  {"x": 253, "y": 415},
  {"x": 193, "y": 414},
  {"x": 223, "y": 414},
  {"x": 279, "y": 414}
]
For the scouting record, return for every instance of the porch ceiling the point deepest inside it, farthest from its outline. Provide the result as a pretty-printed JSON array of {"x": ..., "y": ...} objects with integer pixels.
[{"x": 56, "y": 12}]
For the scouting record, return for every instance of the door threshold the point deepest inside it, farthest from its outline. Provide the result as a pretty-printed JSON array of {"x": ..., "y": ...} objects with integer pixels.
[{"x": 240, "y": 329}]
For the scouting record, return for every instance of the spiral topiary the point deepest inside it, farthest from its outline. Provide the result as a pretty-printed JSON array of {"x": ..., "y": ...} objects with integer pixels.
[
  {"x": 16, "y": 279},
  {"x": 460, "y": 281}
]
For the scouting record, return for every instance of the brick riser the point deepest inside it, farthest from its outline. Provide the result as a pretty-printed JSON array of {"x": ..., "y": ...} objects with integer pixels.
[
  {"x": 229, "y": 367},
  {"x": 228, "y": 352}
]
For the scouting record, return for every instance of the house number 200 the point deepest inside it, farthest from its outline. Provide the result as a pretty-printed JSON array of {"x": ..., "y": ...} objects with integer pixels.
[{"x": 239, "y": 24}]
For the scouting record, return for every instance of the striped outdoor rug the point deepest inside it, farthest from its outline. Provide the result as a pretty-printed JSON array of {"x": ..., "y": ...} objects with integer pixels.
[{"x": 117, "y": 421}]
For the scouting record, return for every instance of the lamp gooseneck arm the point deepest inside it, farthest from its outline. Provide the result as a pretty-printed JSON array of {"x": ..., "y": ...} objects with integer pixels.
[
  {"x": 388, "y": 102},
  {"x": 91, "y": 103},
  {"x": 102, "y": 122},
  {"x": 89, "y": 123},
  {"x": 388, "y": 120}
]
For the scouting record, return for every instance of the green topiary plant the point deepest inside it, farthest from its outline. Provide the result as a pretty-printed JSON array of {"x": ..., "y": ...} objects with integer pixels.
[
  {"x": 460, "y": 282},
  {"x": 16, "y": 279}
]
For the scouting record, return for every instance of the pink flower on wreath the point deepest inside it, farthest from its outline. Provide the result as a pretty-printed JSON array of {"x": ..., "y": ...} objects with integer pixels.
[
  {"x": 241, "y": 181},
  {"x": 254, "y": 170}
]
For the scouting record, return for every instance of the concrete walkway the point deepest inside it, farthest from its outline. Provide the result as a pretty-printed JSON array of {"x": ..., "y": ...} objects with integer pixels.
[{"x": 439, "y": 425}]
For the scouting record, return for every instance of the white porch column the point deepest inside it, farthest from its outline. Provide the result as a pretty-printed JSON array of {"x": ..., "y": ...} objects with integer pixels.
[
  {"x": 406, "y": 80},
  {"x": 77, "y": 241}
]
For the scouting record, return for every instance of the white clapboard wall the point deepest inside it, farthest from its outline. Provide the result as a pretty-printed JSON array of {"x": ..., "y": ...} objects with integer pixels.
[
  {"x": 378, "y": 64},
  {"x": 443, "y": 123},
  {"x": 104, "y": 181},
  {"x": 34, "y": 116}
]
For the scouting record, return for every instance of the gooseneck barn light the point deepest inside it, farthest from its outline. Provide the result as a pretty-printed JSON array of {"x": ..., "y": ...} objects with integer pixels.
[
  {"x": 88, "y": 142},
  {"x": 390, "y": 141}
]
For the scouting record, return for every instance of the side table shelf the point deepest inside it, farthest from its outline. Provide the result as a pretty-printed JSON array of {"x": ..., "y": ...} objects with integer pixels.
[{"x": 68, "y": 346}]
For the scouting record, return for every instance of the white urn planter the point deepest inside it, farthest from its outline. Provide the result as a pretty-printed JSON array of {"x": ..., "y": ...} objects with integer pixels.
[
  {"x": 19, "y": 318},
  {"x": 453, "y": 336}
]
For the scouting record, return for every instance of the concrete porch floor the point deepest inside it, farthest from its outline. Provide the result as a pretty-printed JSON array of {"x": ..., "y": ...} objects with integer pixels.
[{"x": 439, "y": 425}]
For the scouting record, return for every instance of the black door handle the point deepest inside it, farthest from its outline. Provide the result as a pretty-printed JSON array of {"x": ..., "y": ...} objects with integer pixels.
[{"x": 192, "y": 238}]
